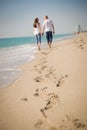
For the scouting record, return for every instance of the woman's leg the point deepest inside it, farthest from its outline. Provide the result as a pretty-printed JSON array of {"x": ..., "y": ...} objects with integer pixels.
[{"x": 39, "y": 41}]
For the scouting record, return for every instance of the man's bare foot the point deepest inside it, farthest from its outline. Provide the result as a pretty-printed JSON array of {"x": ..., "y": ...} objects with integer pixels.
[{"x": 49, "y": 45}]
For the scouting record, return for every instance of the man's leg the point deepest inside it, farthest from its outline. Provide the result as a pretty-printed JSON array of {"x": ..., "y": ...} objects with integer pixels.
[{"x": 50, "y": 38}]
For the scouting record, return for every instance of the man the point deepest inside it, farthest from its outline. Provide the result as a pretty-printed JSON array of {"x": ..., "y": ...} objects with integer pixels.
[{"x": 48, "y": 28}]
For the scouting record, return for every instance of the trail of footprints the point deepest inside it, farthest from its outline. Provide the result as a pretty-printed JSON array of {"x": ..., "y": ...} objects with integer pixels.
[
  {"x": 50, "y": 73},
  {"x": 51, "y": 99},
  {"x": 80, "y": 43}
]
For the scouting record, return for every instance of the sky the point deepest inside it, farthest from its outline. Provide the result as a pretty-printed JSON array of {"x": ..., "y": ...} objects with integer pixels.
[{"x": 17, "y": 16}]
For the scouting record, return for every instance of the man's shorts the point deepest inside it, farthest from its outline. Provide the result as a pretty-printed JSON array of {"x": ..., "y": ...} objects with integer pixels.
[{"x": 49, "y": 36}]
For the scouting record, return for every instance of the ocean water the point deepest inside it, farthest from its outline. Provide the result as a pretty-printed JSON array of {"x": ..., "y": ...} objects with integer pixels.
[{"x": 15, "y": 52}]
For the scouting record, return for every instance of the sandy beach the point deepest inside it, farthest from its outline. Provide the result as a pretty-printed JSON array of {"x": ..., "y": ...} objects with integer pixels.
[{"x": 51, "y": 92}]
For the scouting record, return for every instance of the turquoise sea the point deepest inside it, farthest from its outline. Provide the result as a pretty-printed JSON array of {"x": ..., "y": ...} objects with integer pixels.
[
  {"x": 17, "y": 51},
  {"x": 11, "y": 42}
]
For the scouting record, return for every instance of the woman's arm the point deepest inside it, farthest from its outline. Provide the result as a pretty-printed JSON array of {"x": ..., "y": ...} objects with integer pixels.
[{"x": 39, "y": 27}]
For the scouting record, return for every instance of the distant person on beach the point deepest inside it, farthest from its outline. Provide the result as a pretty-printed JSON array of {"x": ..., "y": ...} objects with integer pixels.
[
  {"x": 48, "y": 28},
  {"x": 78, "y": 29},
  {"x": 37, "y": 32}
]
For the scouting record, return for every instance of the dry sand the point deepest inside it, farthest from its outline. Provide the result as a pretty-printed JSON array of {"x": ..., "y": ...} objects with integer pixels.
[{"x": 51, "y": 93}]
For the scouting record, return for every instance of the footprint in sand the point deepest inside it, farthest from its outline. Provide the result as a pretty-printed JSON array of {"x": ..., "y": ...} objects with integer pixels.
[
  {"x": 40, "y": 67},
  {"x": 81, "y": 46},
  {"x": 43, "y": 67},
  {"x": 53, "y": 128},
  {"x": 45, "y": 53},
  {"x": 44, "y": 61},
  {"x": 61, "y": 81},
  {"x": 38, "y": 79},
  {"x": 43, "y": 112},
  {"x": 38, "y": 124},
  {"x": 37, "y": 68},
  {"x": 24, "y": 99},
  {"x": 78, "y": 124},
  {"x": 41, "y": 92},
  {"x": 52, "y": 100},
  {"x": 51, "y": 73},
  {"x": 45, "y": 125}
]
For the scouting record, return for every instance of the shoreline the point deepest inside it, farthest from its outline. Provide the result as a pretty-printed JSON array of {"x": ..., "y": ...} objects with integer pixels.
[
  {"x": 51, "y": 93},
  {"x": 10, "y": 80}
]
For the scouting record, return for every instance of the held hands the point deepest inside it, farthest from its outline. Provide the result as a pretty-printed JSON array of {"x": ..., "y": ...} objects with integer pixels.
[{"x": 42, "y": 33}]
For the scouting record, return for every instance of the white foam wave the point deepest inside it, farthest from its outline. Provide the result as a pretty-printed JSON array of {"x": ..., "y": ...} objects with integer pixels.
[{"x": 12, "y": 57}]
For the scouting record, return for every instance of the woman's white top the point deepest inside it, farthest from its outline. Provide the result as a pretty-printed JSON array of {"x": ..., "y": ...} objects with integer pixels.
[{"x": 36, "y": 31}]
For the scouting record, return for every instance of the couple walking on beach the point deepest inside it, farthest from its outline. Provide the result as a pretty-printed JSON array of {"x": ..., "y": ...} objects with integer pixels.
[{"x": 48, "y": 28}]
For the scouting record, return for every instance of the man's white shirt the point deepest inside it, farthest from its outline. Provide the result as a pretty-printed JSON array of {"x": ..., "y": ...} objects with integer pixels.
[{"x": 47, "y": 25}]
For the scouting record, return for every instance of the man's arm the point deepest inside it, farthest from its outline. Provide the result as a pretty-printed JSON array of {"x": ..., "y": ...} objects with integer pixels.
[
  {"x": 53, "y": 28},
  {"x": 43, "y": 30}
]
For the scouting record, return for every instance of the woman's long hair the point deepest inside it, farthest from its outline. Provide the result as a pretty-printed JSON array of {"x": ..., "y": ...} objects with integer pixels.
[{"x": 36, "y": 21}]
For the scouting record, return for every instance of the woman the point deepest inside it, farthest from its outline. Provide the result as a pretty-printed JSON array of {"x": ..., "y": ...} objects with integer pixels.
[{"x": 37, "y": 32}]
